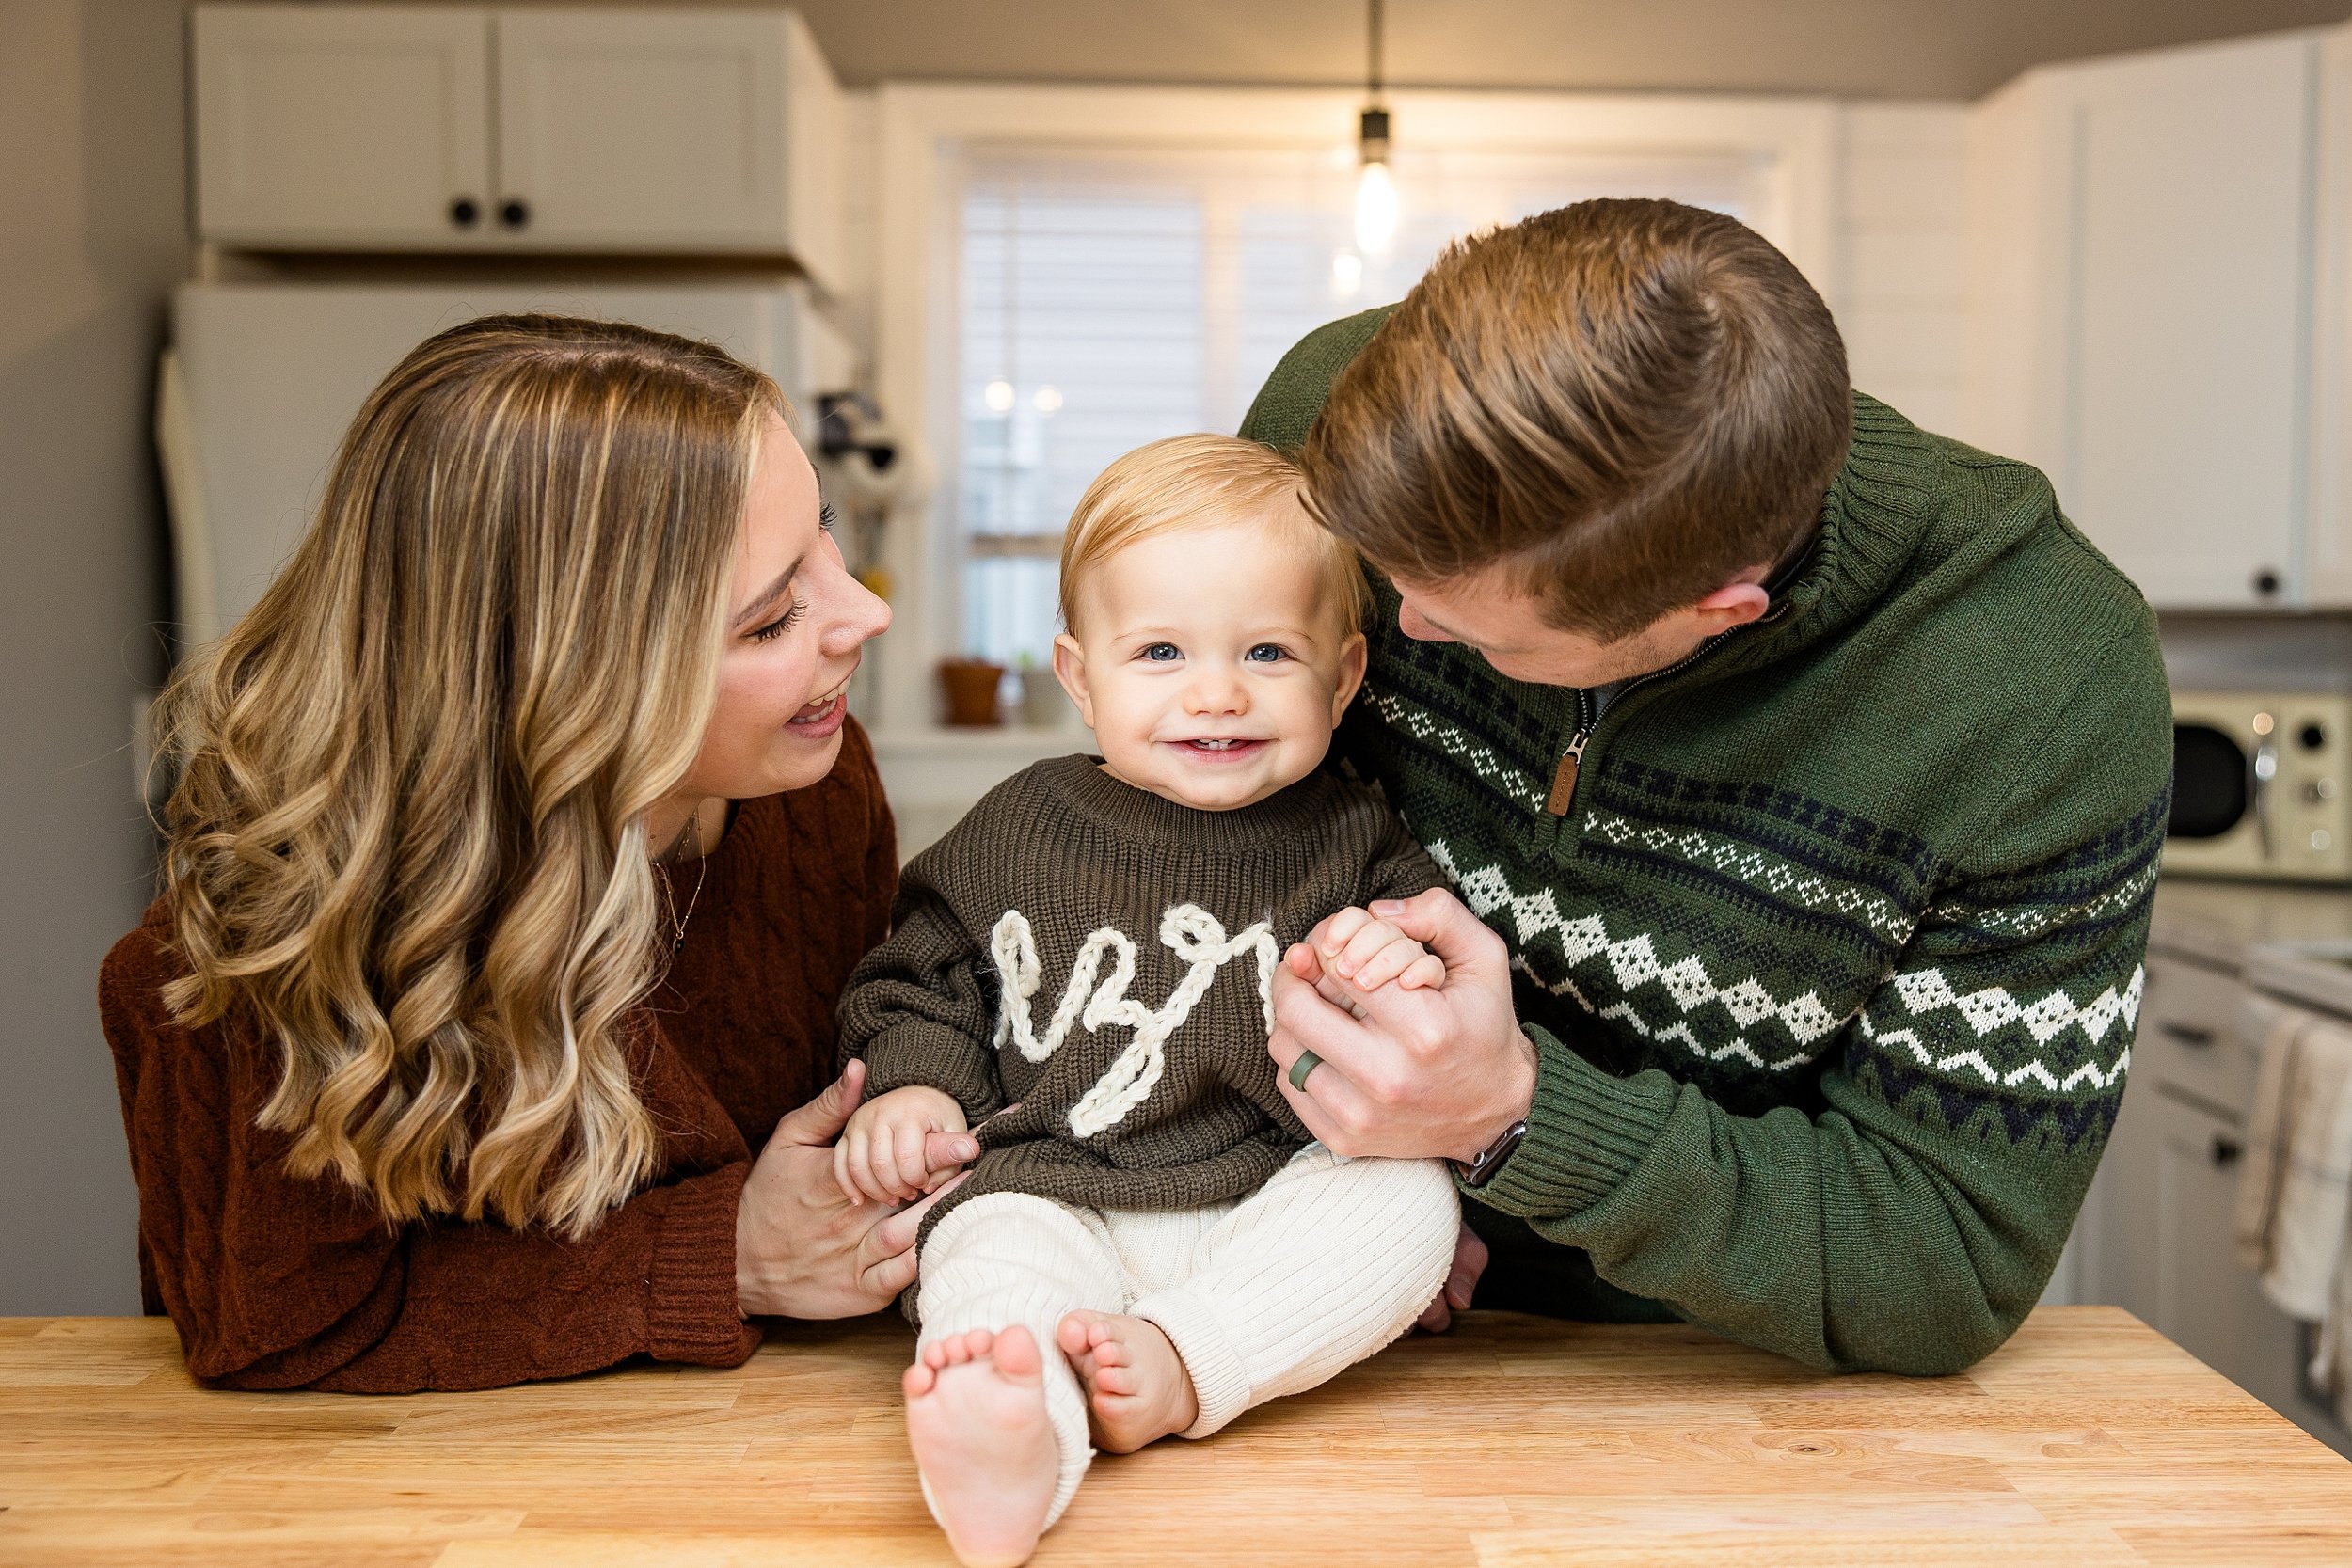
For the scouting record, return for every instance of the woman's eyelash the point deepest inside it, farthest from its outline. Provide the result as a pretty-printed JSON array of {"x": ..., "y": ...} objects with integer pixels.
[
  {"x": 782, "y": 623},
  {"x": 826, "y": 515}
]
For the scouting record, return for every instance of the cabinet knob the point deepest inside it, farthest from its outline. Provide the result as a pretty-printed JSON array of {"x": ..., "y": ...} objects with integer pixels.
[
  {"x": 463, "y": 212},
  {"x": 514, "y": 213},
  {"x": 2265, "y": 581},
  {"x": 2188, "y": 1033},
  {"x": 2226, "y": 1150}
]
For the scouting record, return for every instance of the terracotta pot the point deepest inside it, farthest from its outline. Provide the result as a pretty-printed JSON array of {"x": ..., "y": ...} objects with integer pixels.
[{"x": 973, "y": 686}]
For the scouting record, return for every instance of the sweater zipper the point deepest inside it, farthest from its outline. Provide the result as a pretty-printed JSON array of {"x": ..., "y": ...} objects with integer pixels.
[
  {"x": 1572, "y": 760},
  {"x": 1563, "y": 777}
]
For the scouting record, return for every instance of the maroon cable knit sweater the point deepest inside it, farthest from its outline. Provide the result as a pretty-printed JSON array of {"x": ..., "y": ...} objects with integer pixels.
[{"x": 279, "y": 1282}]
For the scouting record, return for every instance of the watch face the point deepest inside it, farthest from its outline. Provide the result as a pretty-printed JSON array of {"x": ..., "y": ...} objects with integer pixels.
[{"x": 1491, "y": 1158}]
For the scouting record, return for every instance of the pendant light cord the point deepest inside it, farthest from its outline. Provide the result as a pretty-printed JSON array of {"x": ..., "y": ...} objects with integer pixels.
[{"x": 1372, "y": 50}]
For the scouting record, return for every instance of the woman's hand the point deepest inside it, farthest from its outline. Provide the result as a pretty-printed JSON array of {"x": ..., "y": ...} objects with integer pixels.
[
  {"x": 1427, "y": 1074},
  {"x": 802, "y": 1250}
]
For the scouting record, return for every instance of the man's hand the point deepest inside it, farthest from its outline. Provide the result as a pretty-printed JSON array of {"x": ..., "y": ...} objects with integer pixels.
[
  {"x": 801, "y": 1249},
  {"x": 1405, "y": 1074}
]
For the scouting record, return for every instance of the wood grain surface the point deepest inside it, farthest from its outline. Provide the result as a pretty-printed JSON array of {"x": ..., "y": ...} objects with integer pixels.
[{"x": 2089, "y": 1441}]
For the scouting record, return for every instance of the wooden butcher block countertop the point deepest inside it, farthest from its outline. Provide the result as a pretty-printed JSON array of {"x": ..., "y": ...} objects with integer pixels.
[{"x": 2089, "y": 1440}]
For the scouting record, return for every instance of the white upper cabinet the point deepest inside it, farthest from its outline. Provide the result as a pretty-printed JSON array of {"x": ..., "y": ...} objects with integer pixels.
[
  {"x": 2141, "y": 289},
  {"x": 353, "y": 127},
  {"x": 616, "y": 132},
  {"x": 661, "y": 130}
]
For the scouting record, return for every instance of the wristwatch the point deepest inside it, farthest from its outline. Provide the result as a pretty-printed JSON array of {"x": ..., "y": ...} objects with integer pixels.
[{"x": 1490, "y": 1159}]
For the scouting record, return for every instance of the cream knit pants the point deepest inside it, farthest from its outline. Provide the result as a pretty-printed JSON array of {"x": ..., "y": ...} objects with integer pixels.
[{"x": 1277, "y": 1292}]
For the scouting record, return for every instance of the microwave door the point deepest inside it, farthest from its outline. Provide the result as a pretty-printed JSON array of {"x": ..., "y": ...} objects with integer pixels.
[{"x": 2213, "y": 783}]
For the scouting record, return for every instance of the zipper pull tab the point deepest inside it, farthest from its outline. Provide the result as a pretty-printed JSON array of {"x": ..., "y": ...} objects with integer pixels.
[{"x": 1563, "y": 777}]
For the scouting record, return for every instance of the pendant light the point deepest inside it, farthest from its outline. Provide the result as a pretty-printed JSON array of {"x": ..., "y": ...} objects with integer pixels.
[{"x": 1376, "y": 191}]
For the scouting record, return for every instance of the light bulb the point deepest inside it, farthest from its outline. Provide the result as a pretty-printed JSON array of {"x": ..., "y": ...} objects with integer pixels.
[
  {"x": 1347, "y": 273},
  {"x": 997, "y": 394},
  {"x": 1376, "y": 209},
  {"x": 1048, "y": 400}
]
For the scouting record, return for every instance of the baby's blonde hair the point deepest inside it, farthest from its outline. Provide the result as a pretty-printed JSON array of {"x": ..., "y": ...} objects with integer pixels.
[{"x": 1200, "y": 482}]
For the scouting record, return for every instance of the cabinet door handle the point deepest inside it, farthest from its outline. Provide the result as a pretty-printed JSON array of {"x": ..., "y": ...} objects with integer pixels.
[
  {"x": 463, "y": 212},
  {"x": 514, "y": 213},
  {"x": 2226, "y": 1150},
  {"x": 2188, "y": 1033}
]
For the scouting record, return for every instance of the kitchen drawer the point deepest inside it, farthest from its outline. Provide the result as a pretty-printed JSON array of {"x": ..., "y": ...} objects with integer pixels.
[{"x": 2187, "y": 1037}]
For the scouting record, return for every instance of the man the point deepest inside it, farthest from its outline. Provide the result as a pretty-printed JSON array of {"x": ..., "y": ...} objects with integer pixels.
[{"x": 1803, "y": 776}]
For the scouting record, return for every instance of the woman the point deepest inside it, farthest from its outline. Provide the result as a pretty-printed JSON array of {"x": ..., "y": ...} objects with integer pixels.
[{"x": 521, "y": 848}]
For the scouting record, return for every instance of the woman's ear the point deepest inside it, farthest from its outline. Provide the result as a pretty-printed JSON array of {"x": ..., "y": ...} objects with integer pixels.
[
  {"x": 1353, "y": 654},
  {"x": 1070, "y": 668}
]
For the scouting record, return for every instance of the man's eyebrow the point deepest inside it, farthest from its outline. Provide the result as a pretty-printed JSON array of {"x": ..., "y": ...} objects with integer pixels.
[
  {"x": 1457, "y": 636},
  {"x": 766, "y": 596}
]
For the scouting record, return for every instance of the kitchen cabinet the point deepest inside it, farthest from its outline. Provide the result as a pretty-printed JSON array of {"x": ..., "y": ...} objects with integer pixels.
[
  {"x": 2205, "y": 1300},
  {"x": 2144, "y": 235},
  {"x": 354, "y": 127},
  {"x": 667, "y": 130},
  {"x": 2158, "y": 1233},
  {"x": 604, "y": 132}
]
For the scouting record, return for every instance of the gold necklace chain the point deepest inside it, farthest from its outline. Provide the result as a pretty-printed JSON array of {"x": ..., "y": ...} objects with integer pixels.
[{"x": 701, "y": 869}]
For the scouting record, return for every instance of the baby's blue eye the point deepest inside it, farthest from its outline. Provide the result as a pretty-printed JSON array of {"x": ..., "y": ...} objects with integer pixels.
[
  {"x": 1161, "y": 652},
  {"x": 1267, "y": 653}
]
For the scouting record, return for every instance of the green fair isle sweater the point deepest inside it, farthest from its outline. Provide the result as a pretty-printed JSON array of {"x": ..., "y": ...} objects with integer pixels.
[{"x": 1833, "y": 959}]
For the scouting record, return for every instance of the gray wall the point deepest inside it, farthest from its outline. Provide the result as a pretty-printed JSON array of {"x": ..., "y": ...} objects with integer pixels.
[{"x": 92, "y": 233}]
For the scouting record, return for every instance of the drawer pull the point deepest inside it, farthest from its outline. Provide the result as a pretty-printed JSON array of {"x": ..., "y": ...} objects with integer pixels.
[
  {"x": 2226, "y": 1150},
  {"x": 2188, "y": 1033}
]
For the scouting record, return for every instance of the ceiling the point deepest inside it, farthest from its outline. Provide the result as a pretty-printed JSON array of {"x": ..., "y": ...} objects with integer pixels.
[{"x": 1854, "y": 48}]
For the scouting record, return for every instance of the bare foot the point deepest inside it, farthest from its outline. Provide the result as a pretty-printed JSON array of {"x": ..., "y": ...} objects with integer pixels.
[
  {"x": 975, "y": 1415},
  {"x": 1138, "y": 1390}
]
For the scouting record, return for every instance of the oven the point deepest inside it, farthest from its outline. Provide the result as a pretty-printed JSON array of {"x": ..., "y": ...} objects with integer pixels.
[{"x": 2258, "y": 786}]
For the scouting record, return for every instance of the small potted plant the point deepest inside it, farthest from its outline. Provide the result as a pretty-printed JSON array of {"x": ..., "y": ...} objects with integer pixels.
[{"x": 974, "y": 689}]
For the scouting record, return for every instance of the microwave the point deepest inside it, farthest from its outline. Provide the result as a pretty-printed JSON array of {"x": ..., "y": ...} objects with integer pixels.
[{"x": 2260, "y": 786}]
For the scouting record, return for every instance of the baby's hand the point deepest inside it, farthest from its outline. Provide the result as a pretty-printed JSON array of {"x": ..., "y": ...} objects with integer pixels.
[
  {"x": 1369, "y": 952},
  {"x": 880, "y": 1154}
]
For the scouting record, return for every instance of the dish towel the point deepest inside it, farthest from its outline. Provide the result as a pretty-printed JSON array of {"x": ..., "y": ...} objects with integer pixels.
[{"x": 2295, "y": 1191}]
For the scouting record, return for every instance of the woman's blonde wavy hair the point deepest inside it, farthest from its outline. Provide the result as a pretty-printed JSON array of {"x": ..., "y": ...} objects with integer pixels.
[{"x": 407, "y": 834}]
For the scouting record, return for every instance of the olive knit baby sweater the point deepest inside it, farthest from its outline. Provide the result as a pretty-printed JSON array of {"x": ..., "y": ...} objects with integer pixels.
[{"x": 1100, "y": 959}]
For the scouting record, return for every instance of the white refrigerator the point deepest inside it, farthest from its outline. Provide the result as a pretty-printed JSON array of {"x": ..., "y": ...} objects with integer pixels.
[{"x": 261, "y": 380}]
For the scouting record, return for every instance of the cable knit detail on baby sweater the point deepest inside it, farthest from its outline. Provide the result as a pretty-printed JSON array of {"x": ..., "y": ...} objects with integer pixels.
[{"x": 1149, "y": 1085}]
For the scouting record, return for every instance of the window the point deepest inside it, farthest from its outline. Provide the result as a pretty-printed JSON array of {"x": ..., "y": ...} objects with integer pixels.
[{"x": 1111, "y": 298}]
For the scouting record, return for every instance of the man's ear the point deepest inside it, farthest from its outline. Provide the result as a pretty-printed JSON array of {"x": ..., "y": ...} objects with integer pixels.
[
  {"x": 1732, "y": 605},
  {"x": 1353, "y": 654},
  {"x": 1070, "y": 668}
]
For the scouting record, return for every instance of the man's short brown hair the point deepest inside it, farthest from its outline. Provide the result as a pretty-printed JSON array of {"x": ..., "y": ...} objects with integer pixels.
[{"x": 1629, "y": 402}]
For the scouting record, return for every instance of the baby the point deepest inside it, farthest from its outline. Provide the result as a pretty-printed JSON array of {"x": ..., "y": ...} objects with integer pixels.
[{"x": 1150, "y": 1243}]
